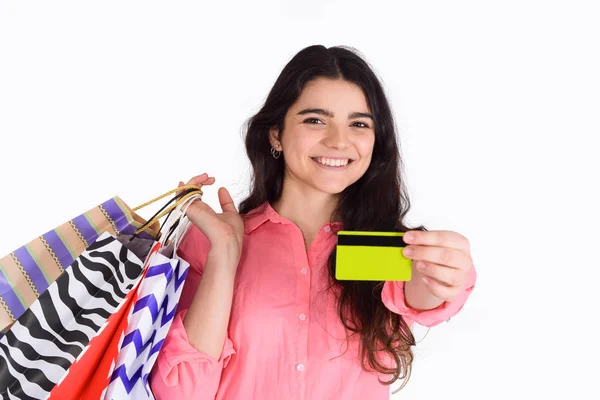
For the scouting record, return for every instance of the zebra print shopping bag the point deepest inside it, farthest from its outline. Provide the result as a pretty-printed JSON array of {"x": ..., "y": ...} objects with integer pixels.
[
  {"x": 28, "y": 271},
  {"x": 38, "y": 350}
]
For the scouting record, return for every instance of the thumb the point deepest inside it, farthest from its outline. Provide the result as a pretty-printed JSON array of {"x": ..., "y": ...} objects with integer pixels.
[{"x": 226, "y": 201}]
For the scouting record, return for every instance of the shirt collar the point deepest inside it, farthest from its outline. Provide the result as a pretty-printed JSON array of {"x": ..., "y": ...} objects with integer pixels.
[{"x": 265, "y": 212}]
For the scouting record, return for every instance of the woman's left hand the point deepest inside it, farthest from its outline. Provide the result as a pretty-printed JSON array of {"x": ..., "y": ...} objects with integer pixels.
[{"x": 441, "y": 259}]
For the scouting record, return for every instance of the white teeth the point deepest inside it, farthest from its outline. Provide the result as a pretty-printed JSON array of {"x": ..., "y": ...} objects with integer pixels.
[{"x": 332, "y": 162}]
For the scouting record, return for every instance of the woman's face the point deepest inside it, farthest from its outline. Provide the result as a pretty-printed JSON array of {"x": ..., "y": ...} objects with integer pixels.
[{"x": 328, "y": 136}]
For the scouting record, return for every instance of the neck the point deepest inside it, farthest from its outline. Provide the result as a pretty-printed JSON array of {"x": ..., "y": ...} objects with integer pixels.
[{"x": 306, "y": 207}]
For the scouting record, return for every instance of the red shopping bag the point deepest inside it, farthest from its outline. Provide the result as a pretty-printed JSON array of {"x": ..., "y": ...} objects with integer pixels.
[
  {"x": 97, "y": 376},
  {"x": 77, "y": 381}
]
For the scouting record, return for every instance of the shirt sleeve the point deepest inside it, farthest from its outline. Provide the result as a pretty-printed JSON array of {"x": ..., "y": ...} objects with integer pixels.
[
  {"x": 181, "y": 371},
  {"x": 392, "y": 296}
]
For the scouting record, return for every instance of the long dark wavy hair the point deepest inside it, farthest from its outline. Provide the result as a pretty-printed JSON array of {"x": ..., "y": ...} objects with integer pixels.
[{"x": 378, "y": 201}]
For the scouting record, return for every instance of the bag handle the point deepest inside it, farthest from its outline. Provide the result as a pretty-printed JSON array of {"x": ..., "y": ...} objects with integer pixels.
[
  {"x": 188, "y": 191},
  {"x": 177, "y": 223},
  {"x": 162, "y": 196}
]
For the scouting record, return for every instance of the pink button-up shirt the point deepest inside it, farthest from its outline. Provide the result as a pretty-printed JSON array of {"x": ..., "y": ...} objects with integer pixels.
[{"x": 285, "y": 338}]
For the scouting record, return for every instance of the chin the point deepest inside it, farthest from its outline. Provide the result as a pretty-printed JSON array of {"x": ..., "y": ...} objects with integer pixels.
[{"x": 332, "y": 188}]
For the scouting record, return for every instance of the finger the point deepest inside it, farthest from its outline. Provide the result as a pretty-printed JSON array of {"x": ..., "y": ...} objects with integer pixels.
[
  {"x": 199, "y": 180},
  {"x": 180, "y": 185},
  {"x": 437, "y": 238},
  {"x": 438, "y": 289},
  {"x": 445, "y": 275},
  {"x": 439, "y": 255},
  {"x": 226, "y": 200},
  {"x": 207, "y": 182}
]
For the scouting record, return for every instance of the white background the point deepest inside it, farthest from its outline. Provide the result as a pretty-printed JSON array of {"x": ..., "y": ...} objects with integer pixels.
[{"x": 497, "y": 105}]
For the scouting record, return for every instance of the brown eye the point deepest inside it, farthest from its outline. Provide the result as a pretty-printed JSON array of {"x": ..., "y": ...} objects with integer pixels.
[
  {"x": 362, "y": 123},
  {"x": 308, "y": 120}
]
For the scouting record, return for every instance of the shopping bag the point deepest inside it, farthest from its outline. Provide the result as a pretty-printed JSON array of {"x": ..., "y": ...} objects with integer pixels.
[
  {"x": 89, "y": 377},
  {"x": 151, "y": 314},
  {"x": 149, "y": 322},
  {"x": 27, "y": 272},
  {"x": 53, "y": 337},
  {"x": 41, "y": 346},
  {"x": 79, "y": 382}
]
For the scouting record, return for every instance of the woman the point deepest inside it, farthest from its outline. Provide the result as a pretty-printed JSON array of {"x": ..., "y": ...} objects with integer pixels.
[{"x": 262, "y": 316}]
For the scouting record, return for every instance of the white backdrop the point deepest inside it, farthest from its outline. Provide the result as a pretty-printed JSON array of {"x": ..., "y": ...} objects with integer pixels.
[{"x": 497, "y": 105}]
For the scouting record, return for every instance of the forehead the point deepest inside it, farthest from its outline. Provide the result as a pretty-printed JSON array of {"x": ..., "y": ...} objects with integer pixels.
[{"x": 334, "y": 94}]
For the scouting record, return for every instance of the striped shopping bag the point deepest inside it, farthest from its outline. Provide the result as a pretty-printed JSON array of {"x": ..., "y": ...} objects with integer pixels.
[{"x": 27, "y": 272}]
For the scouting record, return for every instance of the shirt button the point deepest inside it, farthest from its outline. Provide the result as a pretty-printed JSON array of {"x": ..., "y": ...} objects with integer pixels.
[
  {"x": 300, "y": 367},
  {"x": 302, "y": 317},
  {"x": 327, "y": 229},
  {"x": 304, "y": 271}
]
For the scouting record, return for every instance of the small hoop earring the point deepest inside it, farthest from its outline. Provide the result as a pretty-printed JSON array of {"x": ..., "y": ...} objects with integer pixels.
[{"x": 275, "y": 153}]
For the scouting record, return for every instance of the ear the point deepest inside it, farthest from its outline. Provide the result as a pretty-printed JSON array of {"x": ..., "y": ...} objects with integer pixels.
[{"x": 274, "y": 138}]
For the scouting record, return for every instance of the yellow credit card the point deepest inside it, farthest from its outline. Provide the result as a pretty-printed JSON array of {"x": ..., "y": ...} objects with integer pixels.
[{"x": 371, "y": 256}]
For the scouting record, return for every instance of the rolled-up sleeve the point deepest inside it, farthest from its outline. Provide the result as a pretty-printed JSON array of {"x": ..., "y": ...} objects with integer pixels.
[
  {"x": 392, "y": 296},
  {"x": 182, "y": 372}
]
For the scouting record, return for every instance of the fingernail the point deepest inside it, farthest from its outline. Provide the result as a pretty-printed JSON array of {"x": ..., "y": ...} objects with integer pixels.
[
  {"x": 408, "y": 251},
  {"x": 426, "y": 280},
  {"x": 408, "y": 236},
  {"x": 420, "y": 265}
]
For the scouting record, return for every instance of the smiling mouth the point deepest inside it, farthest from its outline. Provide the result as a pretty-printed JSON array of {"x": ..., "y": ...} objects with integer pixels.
[{"x": 333, "y": 162}]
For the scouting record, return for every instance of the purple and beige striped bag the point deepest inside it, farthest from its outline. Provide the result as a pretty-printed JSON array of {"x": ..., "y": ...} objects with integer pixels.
[{"x": 27, "y": 272}]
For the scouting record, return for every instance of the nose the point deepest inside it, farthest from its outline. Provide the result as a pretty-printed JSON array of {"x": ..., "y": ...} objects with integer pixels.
[{"x": 336, "y": 138}]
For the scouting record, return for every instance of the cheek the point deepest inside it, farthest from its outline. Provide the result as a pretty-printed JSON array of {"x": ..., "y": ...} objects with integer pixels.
[
  {"x": 296, "y": 154},
  {"x": 299, "y": 142},
  {"x": 365, "y": 148}
]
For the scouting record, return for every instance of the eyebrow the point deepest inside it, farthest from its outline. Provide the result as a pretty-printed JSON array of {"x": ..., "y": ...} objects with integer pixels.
[{"x": 331, "y": 114}]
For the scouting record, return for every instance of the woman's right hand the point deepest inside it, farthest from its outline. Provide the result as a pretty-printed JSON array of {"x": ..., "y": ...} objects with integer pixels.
[{"x": 224, "y": 230}]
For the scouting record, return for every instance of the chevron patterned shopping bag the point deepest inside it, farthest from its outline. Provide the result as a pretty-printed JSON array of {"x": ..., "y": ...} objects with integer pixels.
[{"x": 149, "y": 322}]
